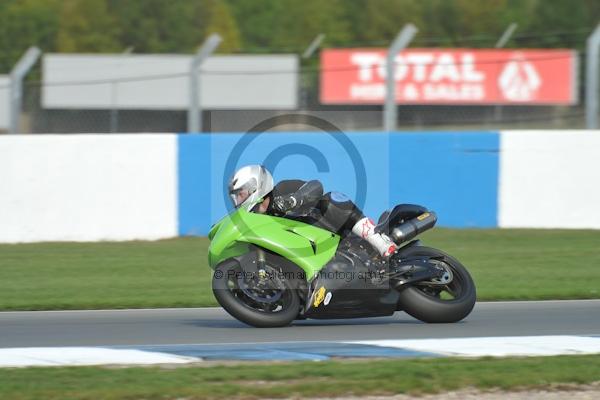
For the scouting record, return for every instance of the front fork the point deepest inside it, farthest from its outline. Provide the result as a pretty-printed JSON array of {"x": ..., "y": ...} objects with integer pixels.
[{"x": 261, "y": 260}]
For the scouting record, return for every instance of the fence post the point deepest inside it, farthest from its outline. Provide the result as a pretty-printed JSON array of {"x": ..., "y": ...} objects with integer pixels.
[
  {"x": 195, "y": 108},
  {"x": 16, "y": 86},
  {"x": 313, "y": 46},
  {"x": 402, "y": 40},
  {"x": 303, "y": 80},
  {"x": 502, "y": 40},
  {"x": 506, "y": 35},
  {"x": 114, "y": 95},
  {"x": 591, "y": 72}
]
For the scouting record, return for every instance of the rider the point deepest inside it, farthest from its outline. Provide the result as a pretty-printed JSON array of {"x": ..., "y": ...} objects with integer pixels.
[{"x": 254, "y": 182}]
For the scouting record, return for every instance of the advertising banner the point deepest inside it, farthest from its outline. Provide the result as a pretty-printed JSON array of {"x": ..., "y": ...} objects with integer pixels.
[{"x": 451, "y": 76}]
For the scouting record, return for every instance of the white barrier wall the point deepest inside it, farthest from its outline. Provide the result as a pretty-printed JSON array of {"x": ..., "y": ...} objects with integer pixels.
[
  {"x": 126, "y": 187},
  {"x": 87, "y": 187},
  {"x": 549, "y": 179}
]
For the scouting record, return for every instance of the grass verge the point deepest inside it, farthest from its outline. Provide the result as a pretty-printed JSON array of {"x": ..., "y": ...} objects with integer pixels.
[
  {"x": 332, "y": 378},
  {"x": 506, "y": 265}
]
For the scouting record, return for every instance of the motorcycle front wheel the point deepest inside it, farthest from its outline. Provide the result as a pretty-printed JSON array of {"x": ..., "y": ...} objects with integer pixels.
[
  {"x": 436, "y": 303},
  {"x": 263, "y": 302}
]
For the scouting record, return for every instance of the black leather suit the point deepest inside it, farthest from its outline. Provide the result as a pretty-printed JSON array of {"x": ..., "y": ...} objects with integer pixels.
[{"x": 297, "y": 196}]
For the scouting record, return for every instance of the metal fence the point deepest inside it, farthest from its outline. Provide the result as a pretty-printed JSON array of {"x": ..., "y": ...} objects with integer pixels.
[{"x": 33, "y": 118}]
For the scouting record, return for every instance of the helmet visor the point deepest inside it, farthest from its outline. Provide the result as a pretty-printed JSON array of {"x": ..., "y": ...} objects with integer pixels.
[{"x": 238, "y": 196}]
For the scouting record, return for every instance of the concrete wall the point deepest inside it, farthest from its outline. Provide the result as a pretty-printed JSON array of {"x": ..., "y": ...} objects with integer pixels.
[
  {"x": 122, "y": 187},
  {"x": 87, "y": 187},
  {"x": 453, "y": 173},
  {"x": 550, "y": 179}
]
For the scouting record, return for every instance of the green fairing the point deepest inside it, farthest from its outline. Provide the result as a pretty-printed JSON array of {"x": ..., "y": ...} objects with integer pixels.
[{"x": 305, "y": 245}]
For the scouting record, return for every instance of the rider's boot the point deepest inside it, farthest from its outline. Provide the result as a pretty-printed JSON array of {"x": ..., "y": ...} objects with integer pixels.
[{"x": 365, "y": 228}]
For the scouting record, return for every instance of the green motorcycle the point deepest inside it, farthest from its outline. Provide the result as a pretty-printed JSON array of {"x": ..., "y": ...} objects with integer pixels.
[{"x": 270, "y": 271}]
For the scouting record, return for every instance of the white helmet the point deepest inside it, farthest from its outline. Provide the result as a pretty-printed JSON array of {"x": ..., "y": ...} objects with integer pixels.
[{"x": 250, "y": 184}]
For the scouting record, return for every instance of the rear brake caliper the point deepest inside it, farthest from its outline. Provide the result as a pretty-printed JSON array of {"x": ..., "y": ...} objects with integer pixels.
[{"x": 445, "y": 274}]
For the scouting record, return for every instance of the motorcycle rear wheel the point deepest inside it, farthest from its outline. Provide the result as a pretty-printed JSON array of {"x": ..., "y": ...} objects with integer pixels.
[{"x": 426, "y": 303}]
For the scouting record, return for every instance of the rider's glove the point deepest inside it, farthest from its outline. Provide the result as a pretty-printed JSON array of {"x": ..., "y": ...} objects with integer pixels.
[{"x": 283, "y": 204}]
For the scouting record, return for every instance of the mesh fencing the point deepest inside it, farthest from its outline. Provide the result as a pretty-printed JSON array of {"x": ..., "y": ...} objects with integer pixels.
[{"x": 37, "y": 119}]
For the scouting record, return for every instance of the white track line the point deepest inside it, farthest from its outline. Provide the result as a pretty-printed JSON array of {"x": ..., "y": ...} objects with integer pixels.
[
  {"x": 539, "y": 301},
  {"x": 508, "y": 346},
  {"x": 71, "y": 356}
]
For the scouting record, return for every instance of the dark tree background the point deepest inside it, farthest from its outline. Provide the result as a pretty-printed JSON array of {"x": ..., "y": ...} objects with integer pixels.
[{"x": 180, "y": 26}]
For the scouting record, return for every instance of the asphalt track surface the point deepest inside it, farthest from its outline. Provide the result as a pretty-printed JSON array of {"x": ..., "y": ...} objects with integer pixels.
[{"x": 213, "y": 325}]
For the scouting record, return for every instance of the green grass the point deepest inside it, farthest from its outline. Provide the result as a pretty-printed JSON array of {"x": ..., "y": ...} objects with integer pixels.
[
  {"x": 166, "y": 273},
  {"x": 331, "y": 378},
  {"x": 506, "y": 265},
  {"x": 526, "y": 264}
]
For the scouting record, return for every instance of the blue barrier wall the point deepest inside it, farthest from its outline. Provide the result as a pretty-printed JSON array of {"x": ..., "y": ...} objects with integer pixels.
[
  {"x": 193, "y": 199},
  {"x": 455, "y": 174}
]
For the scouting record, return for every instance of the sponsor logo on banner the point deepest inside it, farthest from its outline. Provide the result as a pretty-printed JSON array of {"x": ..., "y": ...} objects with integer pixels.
[
  {"x": 519, "y": 81},
  {"x": 453, "y": 76}
]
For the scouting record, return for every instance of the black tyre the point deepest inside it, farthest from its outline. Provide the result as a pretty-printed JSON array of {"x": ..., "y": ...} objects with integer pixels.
[
  {"x": 436, "y": 303},
  {"x": 272, "y": 304}
]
